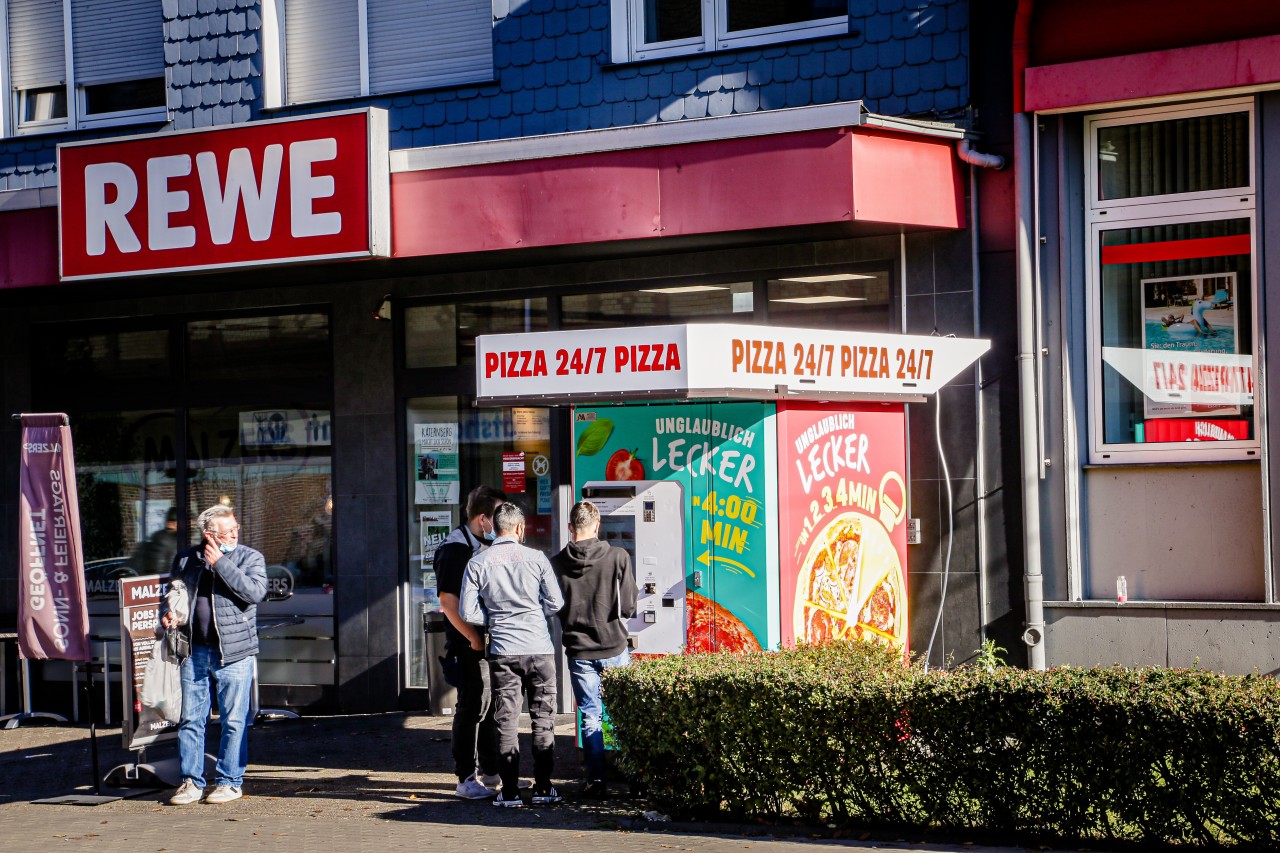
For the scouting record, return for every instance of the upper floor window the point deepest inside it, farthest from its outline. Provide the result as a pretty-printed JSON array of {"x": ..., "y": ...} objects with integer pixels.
[
  {"x": 652, "y": 29},
  {"x": 333, "y": 49},
  {"x": 113, "y": 73}
]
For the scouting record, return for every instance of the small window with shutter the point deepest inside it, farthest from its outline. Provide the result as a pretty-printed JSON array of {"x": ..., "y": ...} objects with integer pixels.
[
  {"x": 337, "y": 49},
  {"x": 113, "y": 74}
]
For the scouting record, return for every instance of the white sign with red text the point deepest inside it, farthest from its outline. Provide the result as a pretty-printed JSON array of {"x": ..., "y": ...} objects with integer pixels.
[
  {"x": 716, "y": 359},
  {"x": 1196, "y": 378},
  {"x": 273, "y": 192}
]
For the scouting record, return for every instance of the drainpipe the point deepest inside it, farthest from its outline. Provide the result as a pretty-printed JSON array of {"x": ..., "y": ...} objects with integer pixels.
[{"x": 1028, "y": 360}]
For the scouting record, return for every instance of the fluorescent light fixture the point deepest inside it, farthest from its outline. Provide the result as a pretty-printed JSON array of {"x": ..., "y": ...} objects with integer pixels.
[
  {"x": 820, "y": 300},
  {"x": 825, "y": 279},
  {"x": 688, "y": 288}
]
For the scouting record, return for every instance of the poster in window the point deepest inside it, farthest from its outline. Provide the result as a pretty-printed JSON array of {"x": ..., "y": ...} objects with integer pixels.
[
  {"x": 436, "y": 476},
  {"x": 1193, "y": 314}
]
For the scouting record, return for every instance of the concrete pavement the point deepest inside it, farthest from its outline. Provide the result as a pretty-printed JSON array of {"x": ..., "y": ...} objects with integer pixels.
[{"x": 378, "y": 782}]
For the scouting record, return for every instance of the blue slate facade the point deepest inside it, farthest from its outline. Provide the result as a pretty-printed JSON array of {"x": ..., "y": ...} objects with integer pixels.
[{"x": 553, "y": 73}]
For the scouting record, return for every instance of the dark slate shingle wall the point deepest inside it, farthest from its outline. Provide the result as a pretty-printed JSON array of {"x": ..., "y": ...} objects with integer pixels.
[{"x": 554, "y": 74}]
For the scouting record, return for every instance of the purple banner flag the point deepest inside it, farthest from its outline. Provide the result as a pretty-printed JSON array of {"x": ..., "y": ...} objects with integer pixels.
[{"x": 53, "y": 618}]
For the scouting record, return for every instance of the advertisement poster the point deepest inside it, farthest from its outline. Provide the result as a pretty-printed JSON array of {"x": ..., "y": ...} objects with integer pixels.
[
  {"x": 435, "y": 527},
  {"x": 513, "y": 479},
  {"x": 436, "y": 479},
  {"x": 139, "y": 615},
  {"x": 1189, "y": 314},
  {"x": 722, "y": 456},
  {"x": 285, "y": 428},
  {"x": 842, "y": 523}
]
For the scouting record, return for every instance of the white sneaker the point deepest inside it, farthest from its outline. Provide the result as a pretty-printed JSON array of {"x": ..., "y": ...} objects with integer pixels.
[
  {"x": 514, "y": 803},
  {"x": 186, "y": 794},
  {"x": 546, "y": 797},
  {"x": 473, "y": 789},
  {"x": 223, "y": 794}
]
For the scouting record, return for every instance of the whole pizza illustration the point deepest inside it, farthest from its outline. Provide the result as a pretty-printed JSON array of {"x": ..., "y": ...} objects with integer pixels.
[{"x": 851, "y": 584}]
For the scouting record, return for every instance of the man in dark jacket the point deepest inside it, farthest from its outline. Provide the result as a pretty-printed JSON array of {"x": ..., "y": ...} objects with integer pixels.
[
  {"x": 226, "y": 581},
  {"x": 599, "y": 587},
  {"x": 475, "y": 736}
]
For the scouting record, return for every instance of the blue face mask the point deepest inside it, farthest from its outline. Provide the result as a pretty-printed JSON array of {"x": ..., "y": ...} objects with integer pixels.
[
  {"x": 225, "y": 548},
  {"x": 490, "y": 535}
]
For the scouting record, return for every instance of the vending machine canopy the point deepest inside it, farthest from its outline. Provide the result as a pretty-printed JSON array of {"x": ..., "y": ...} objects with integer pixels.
[{"x": 716, "y": 360}]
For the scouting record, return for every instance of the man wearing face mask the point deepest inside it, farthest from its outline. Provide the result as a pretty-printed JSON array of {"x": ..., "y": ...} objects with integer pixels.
[
  {"x": 475, "y": 739},
  {"x": 227, "y": 581}
]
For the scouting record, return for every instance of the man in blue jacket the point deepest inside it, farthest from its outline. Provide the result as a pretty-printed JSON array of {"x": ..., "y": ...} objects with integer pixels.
[{"x": 226, "y": 580}]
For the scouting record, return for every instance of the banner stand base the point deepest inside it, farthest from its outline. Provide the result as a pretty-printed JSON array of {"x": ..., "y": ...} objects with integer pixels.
[
  {"x": 154, "y": 775},
  {"x": 12, "y": 721}
]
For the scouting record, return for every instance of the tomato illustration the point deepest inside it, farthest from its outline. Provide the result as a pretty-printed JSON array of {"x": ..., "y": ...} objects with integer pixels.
[{"x": 623, "y": 465}]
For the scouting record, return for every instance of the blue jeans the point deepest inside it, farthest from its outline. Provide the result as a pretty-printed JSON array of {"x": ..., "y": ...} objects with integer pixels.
[
  {"x": 234, "y": 686},
  {"x": 585, "y": 677}
]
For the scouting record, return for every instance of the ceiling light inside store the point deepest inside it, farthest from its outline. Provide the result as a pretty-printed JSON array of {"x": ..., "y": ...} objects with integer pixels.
[
  {"x": 819, "y": 300},
  {"x": 826, "y": 279},
  {"x": 689, "y": 288}
]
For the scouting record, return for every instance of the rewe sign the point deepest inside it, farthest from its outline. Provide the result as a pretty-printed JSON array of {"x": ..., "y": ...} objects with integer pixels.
[{"x": 264, "y": 193}]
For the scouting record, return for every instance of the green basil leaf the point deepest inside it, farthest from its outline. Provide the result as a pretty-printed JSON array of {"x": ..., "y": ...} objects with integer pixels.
[{"x": 594, "y": 437}]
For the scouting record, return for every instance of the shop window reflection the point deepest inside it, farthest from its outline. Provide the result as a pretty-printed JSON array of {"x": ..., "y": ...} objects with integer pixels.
[
  {"x": 852, "y": 301},
  {"x": 445, "y": 335},
  {"x": 658, "y": 305}
]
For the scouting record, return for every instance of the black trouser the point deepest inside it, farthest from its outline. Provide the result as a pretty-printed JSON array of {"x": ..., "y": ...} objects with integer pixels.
[
  {"x": 534, "y": 675},
  {"x": 475, "y": 737}
]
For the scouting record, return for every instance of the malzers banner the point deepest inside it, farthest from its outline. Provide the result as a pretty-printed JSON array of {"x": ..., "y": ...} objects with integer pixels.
[
  {"x": 53, "y": 618},
  {"x": 139, "y": 616}
]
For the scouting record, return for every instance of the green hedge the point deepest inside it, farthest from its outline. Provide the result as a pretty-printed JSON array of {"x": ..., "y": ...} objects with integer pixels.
[{"x": 847, "y": 735}]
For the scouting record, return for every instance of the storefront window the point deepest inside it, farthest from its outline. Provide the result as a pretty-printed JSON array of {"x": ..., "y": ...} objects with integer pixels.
[
  {"x": 1175, "y": 307},
  {"x": 126, "y": 479},
  {"x": 246, "y": 348},
  {"x": 453, "y": 448},
  {"x": 445, "y": 335},
  {"x": 1180, "y": 155},
  {"x": 658, "y": 305},
  {"x": 123, "y": 356},
  {"x": 851, "y": 301},
  {"x": 1171, "y": 307}
]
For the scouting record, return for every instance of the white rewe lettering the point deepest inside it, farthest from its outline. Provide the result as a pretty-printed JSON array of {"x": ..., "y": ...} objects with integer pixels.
[
  {"x": 305, "y": 187},
  {"x": 221, "y": 201},
  {"x": 162, "y": 202},
  {"x": 101, "y": 216}
]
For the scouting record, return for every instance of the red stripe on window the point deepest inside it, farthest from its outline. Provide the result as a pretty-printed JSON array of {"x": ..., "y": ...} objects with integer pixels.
[{"x": 1176, "y": 250}]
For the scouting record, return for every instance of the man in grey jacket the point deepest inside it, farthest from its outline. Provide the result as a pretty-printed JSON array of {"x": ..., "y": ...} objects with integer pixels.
[
  {"x": 226, "y": 580},
  {"x": 512, "y": 590}
]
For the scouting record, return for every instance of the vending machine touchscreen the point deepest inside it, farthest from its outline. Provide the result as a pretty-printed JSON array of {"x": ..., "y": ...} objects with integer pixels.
[{"x": 646, "y": 518}]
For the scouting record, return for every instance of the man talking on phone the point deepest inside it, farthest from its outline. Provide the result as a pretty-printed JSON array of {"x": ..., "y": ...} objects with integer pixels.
[{"x": 227, "y": 580}]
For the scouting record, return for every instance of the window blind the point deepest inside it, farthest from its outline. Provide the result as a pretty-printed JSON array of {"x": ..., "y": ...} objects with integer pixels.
[
  {"x": 414, "y": 44},
  {"x": 36, "y": 48},
  {"x": 322, "y": 50},
  {"x": 116, "y": 40}
]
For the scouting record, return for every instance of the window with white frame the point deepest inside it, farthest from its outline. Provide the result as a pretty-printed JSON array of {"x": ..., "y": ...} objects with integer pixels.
[
  {"x": 335, "y": 49},
  {"x": 652, "y": 29},
  {"x": 1170, "y": 320},
  {"x": 113, "y": 72}
]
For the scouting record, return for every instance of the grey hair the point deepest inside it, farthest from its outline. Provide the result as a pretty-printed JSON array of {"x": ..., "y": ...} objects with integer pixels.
[
  {"x": 205, "y": 521},
  {"x": 583, "y": 515},
  {"x": 506, "y": 518}
]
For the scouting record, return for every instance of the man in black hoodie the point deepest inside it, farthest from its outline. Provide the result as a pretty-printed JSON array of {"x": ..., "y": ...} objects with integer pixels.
[{"x": 599, "y": 587}]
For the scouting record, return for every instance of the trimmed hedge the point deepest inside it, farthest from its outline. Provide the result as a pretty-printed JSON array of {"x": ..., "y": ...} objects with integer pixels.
[{"x": 845, "y": 734}]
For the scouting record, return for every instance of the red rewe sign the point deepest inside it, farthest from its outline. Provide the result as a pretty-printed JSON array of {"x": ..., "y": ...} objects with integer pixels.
[{"x": 264, "y": 193}]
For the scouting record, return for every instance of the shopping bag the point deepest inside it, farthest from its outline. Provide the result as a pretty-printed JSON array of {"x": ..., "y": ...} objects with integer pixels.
[{"x": 162, "y": 684}]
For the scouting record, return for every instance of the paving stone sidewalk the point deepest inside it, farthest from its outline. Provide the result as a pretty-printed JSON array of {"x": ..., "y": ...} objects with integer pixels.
[{"x": 376, "y": 782}]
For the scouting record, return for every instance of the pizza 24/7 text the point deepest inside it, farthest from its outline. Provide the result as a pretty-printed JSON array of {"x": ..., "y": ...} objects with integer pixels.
[
  {"x": 633, "y": 358},
  {"x": 817, "y": 359}
]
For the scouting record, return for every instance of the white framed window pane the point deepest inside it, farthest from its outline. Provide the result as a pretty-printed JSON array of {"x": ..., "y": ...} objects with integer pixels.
[
  {"x": 1184, "y": 154},
  {"x": 445, "y": 44},
  {"x": 1175, "y": 316},
  {"x": 756, "y": 14},
  {"x": 322, "y": 50},
  {"x": 126, "y": 96},
  {"x": 671, "y": 20},
  {"x": 43, "y": 104}
]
